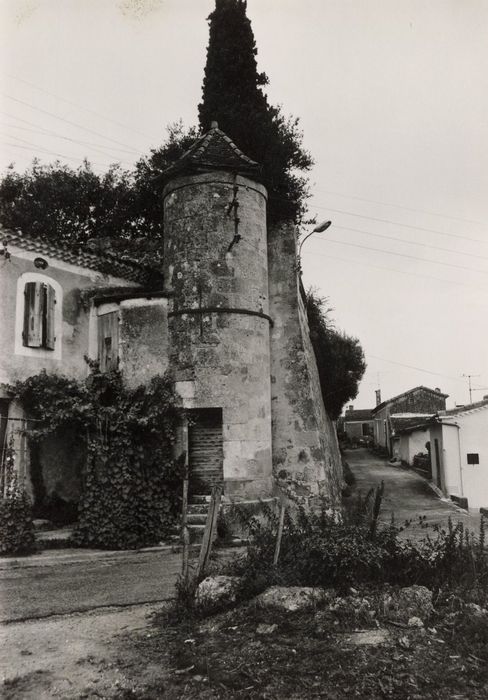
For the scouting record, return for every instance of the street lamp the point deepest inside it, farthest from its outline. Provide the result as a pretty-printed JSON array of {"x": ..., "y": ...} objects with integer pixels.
[{"x": 318, "y": 229}]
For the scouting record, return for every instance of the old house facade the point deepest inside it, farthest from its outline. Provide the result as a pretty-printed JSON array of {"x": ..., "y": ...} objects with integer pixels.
[
  {"x": 459, "y": 453},
  {"x": 227, "y": 319},
  {"x": 413, "y": 406},
  {"x": 358, "y": 424}
]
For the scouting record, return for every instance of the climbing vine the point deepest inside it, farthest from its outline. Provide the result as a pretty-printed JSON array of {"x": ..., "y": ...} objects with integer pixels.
[
  {"x": 130, "y": 481},
  {"x": 16, "y": 527}
]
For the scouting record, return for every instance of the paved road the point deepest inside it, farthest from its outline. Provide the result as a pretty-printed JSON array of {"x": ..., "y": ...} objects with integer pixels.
[
  {"x": 74, "y": 581},
  {"x": 407, "y": 494}
]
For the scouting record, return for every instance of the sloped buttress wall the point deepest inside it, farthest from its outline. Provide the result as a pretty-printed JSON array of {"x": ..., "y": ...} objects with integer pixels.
[{"x": 305, "y": 450}]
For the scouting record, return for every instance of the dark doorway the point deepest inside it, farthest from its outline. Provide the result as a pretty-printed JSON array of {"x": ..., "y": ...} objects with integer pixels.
[
  {"x": 437, "y": 463},
  {"x": 205, "y": 450}
]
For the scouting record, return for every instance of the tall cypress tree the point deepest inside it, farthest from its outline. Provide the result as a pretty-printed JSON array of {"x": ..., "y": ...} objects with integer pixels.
[{"x": 233, "y": 95}]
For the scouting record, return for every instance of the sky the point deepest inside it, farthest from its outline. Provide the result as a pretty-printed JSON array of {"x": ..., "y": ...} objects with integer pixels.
[{"x": 392, "y": 97}]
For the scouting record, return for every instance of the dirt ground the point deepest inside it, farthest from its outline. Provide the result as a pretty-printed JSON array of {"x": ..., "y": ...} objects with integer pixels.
[
  {"x": 247, "y": 652},
  {"x": 84, "y": 655}
]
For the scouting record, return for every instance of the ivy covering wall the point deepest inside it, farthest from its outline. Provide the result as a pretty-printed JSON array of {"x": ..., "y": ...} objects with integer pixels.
[{"x": 131, "y": 482}]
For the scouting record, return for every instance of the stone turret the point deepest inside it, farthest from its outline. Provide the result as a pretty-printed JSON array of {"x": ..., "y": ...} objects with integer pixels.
[{"x": 216, "y": 266}]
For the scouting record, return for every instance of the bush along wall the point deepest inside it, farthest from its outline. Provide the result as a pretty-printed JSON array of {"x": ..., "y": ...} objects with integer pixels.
[
  {"x": 131, "y": 483},
  {"x": 16, "y": 527}
]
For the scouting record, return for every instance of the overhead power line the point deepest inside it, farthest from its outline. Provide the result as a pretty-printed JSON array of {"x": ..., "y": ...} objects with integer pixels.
[
  {"x": 400, "y": 206},
  {"x": 67, "y": 121},
  {"x": 53, "y": 153},
  {"x": 78, "y": 106},
  {"x": 391, "y": 269},
  {"x": 419, "y": 369},
  {"x": 397, "y": 223},
  {"x": 42, "y": 129},
  {"x": 402, "y": 255},
  {"x": 403, "y": 240},
  {"x": 100, "y": 149}
]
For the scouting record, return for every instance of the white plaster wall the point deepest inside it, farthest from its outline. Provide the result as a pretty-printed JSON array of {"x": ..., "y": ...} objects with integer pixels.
[
  {"x": 451, "y": 482},
  {"x": 474, "y": 438},
  {"x": 416, "y": 444}
]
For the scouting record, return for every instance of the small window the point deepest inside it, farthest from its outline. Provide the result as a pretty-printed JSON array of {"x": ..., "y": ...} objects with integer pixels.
[
  {"x": 39, "y": 310},
  {"x": 473, "y": 458}
]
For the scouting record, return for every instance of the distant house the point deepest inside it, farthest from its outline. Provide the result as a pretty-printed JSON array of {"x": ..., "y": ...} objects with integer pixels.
[
  {"x": 411, "y": 407},
  {"x": 459, "y": 452},
  {"x": 411, "y": 437},
  {"x": 358, "y": 424}
]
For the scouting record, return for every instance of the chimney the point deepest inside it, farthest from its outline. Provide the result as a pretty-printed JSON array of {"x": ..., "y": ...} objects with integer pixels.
[
  {"x": 485, "y": 397},
  {"x": 437, "y": 389},
  {"x": 214, "y": 125},
  {"x": 378, "y": 396},
  {"x": 350, "y": 408}
]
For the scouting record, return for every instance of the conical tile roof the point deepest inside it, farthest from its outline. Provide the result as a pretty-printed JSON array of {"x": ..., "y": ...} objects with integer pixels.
[{"x": 213, "y": 151}]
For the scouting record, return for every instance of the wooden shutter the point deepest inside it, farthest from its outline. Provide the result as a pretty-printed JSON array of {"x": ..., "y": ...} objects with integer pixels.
[
  {"x": 33, "y": 313},
  {"x": 50, "y": 307},
  {"x": 205, "y": 450},
  {"x": 108, "y": 341}
]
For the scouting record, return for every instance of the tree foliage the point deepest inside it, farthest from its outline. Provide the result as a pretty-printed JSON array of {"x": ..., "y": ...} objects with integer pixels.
[
  {"x": 340, "y": 357},
  {"x": 233, "y": 95},
  {"x": 68, "y": 206},
  {"x": 130, "y": 494}
]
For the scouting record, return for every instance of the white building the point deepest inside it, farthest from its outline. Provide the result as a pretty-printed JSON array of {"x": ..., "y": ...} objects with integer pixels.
[{"x": 459, "y": 453}]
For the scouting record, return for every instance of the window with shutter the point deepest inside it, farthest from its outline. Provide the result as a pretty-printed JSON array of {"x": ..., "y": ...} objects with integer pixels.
[{"x": 39, "y": 316}]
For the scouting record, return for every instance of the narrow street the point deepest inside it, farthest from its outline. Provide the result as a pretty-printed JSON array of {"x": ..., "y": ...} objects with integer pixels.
[{"x": 407, "y": 495}]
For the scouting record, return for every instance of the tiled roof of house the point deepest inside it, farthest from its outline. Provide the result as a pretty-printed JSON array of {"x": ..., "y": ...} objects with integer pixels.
[
  {"x": 108, "y": 263},
  {"x": 406, "y": 421},
  {"x": 213, "y": 151},
  {"x": 464, "y": 409},
  {"x": 360, "y": 414},
  {"x": 405, "y": 393}
]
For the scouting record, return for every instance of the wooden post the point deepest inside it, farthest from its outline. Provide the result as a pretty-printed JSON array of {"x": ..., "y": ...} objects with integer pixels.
[
  {"x": 210, "y": 529},
  {"x": 279, "y": 536},
  {"x": 185, "y": 533}
]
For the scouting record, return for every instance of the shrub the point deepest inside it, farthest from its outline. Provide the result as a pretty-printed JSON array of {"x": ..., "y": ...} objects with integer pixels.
[
  {"x": 317, "y": 549},
  {"x": 16, "y": 528}
]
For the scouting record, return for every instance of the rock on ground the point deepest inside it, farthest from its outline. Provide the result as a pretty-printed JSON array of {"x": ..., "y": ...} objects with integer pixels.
[
  {"x": 407, "y": 603},
  {"x": 215, "y": 589},
  {"x": 292, "y": 598}
]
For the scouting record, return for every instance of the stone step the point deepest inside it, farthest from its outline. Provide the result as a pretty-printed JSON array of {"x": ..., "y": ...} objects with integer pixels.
[
  {"x": 197, "y": 518},
  {"x": 196, "y": 499},
  {"x": 43, "y": 524},
  {"x": 201, "y": 508}
]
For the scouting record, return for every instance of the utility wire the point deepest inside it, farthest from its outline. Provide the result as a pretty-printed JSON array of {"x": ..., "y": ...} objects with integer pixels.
[
  {"x": 402, "y": 255},
  {"x": 403, "y": 240},
  {"x": 67, "y": 121},
  {"x": 59, "y": 155},
  {"x": 397, "y": 223},
  {"x": 100, "y": 149},
  {"x": 42, "y": 129},
  {"x": 399, "y": 206},
  {"x": 78, "y": 106},
  {"x": 391, "y": 269},
  {"x": 419, "y": 369}
]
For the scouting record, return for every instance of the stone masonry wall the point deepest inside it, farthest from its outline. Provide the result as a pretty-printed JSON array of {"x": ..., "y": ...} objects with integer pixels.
[
  {"x": 221, "y": 359},
  {"x": 305, "y": 450}
]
